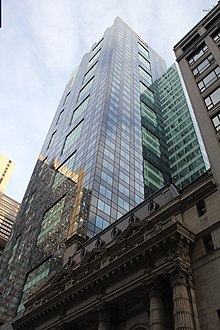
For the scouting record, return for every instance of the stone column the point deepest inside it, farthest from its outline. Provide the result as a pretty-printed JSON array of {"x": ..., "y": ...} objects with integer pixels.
[
  {"x": 183, "y": 318},
  {"x": 193, "y": 300},
  {"x": 157, "y": 317},
  {"x": 104, "y": 319}
]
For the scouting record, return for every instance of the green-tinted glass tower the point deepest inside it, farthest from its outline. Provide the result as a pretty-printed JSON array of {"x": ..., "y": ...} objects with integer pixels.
[{"x": 185, "y": 149}]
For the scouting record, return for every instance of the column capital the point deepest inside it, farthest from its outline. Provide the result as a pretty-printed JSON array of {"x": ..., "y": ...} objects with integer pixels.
[
  {"x": 103, "y": 309},
  {"x": 153, "y": 281},
  {"x": 179, "y": 277},
  {"x": 155, "y": 288}
]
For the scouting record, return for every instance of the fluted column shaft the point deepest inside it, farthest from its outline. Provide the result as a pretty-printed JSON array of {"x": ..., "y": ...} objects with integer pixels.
[
  {"x": 104, "y": 320},
  {"x": 157, "y": 317},
  {"x": 183, "y": 318}
]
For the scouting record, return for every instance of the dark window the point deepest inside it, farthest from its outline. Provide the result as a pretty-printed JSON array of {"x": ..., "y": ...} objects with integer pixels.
[
  {"x": 79, "y": 110},
  {"x": 98, "y": 43},
  {"x": 209, "y": 79},
  {"x": 86, "y": 88},
  {"x": 203, "y": 65},
  {"x": 94, "y": 57},
  {"x": 212, "y": 99},
  {"x": 67, "y": 95},
  {"x": 73, "y": 136},
  {"x": 90, "y": 72},
  {"x": 216, "y": 122},
  {"x": 197, "y": 54},
  {"x": 142, "y": 49},
  {"x": 201, "y": 209},
  {"x": 216, "y": 36},
  {"x": 60, "y": 114},
  {"x": 208, "y": 243},
  {"x": 144, "y": 61},
  {"x": 51, "y": 139}
]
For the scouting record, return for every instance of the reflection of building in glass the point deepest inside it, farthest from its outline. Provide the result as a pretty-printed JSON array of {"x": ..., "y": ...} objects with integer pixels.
[
  {"x": 8, "y": 206},
  {"x": 39, "y": 233},
  {"x": 106, "y": 150}
]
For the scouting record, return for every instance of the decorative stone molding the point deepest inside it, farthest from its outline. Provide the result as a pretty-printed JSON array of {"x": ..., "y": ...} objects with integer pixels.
[
  {"x": 103, "y": 309},
  {"x": 183, "y": 318},
  {"x": 153, "y": 206},
  {"x": 115, "y": 232}
]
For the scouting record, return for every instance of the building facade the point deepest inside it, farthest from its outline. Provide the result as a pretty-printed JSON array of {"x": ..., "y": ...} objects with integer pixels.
[
  {"x": 106, "y": 150},
  {"x": 198, "y": 56}
]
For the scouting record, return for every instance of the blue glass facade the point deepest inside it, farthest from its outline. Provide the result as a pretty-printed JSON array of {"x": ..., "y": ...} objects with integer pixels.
[{"x": 98, "y": 123}]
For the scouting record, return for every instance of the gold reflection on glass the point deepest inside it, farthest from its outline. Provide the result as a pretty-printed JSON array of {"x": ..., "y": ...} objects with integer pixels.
[{"x": 78, "y": 220}]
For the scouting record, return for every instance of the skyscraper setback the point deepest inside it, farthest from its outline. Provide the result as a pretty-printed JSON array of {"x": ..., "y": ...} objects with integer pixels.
[{"x": 108, "y": 147}]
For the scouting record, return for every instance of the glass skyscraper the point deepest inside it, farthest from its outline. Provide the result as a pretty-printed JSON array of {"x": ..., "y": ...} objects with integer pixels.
[
  {"x": 108, "y": 148},
  {"x": 96, "y": 132}
]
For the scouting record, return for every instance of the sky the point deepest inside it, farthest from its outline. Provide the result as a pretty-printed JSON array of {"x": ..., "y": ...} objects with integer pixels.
[{"x": 42, "y": 41}]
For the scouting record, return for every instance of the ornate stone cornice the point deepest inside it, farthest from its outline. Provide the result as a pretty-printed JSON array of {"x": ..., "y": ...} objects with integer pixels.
[{"x": 81, "y": 280}]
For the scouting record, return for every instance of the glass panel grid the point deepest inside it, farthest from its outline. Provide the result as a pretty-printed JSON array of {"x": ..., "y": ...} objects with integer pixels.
[
  {"x": 80, "y": 109},
  {"x": 152, "y": 175},
  {"x": 151, "y": 141},
  {"x": 148, "y": 113},
  {"x": 73, "y": 136},
  {"x": 144, "y": 61},
  {"x": 86, "y": 88},
  {"x": 51, "y": 221},
  {"x": 147, "y": 92}
]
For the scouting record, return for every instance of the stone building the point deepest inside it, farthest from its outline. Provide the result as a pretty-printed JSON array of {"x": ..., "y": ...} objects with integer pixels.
[
  {"x": 198, "y": 56},
  {"x": 157, "y": 267}
]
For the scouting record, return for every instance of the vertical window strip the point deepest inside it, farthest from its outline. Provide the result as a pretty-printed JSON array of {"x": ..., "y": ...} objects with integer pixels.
[
  {"x": 148, "y": 113},
  {"x": 79, "y": 110},
  {"x": 151, "y": 141},
  {"x": 73, "y": 136},
  {"x": 86, "y": 88},
  {"x": 147, "y": 92}
]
